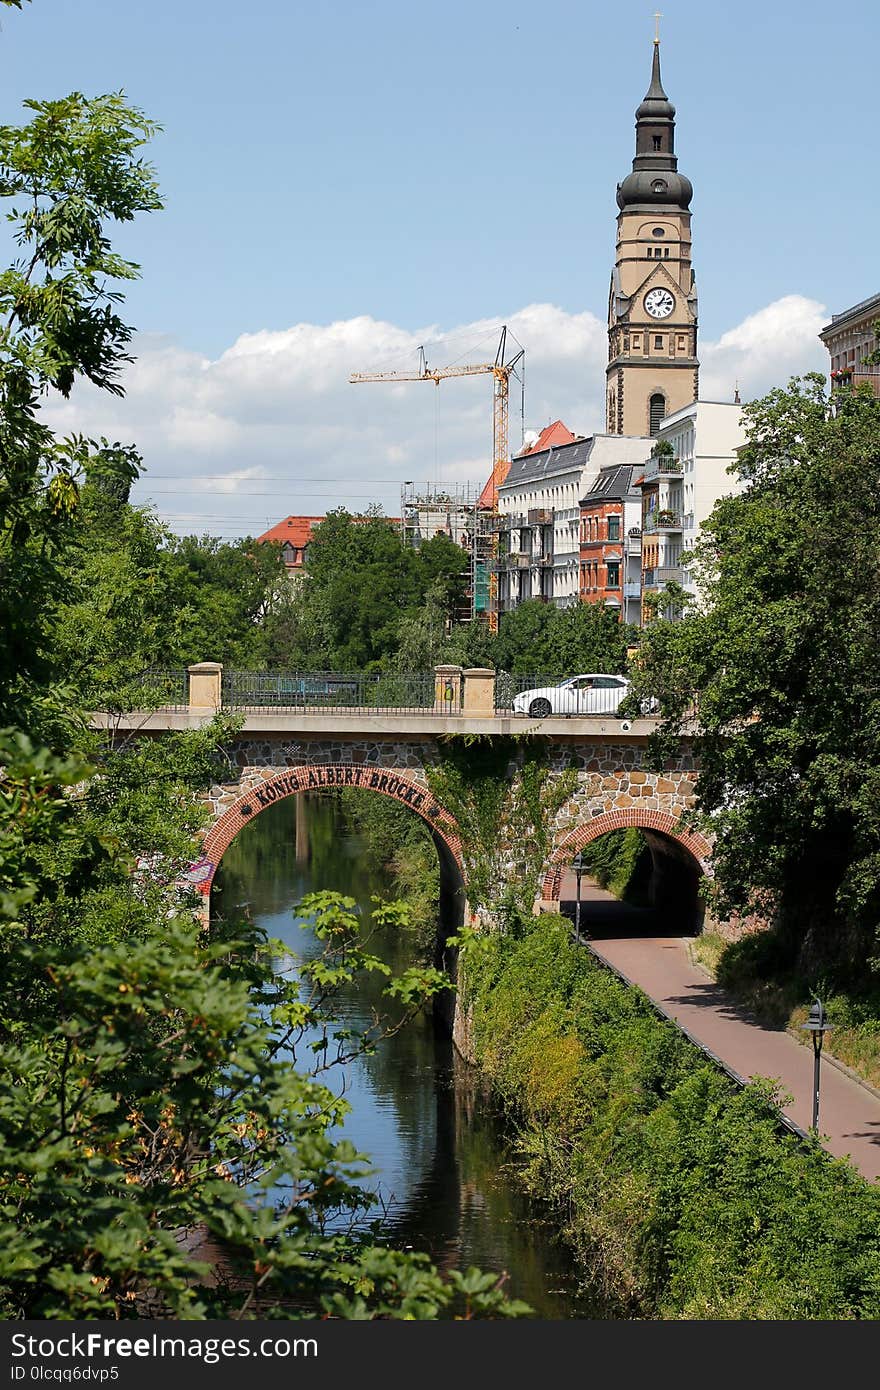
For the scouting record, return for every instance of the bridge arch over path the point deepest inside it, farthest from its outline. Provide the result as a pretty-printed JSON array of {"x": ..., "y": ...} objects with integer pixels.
[{"x": 680, "y": 858}]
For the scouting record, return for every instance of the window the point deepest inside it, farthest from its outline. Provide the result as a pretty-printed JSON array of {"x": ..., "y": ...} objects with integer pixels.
[
  {"x": 656, "y": 411},
  {"x": 658, "y": 231},
  {"x": 658, "y": 341},
  {"x": 614, "y": 528},
  {"x": 658, "y": 142},
  {"x": 666, "y": 251}
]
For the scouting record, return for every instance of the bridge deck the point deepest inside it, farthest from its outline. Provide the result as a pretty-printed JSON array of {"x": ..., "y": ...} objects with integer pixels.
[{"x": 346, "y": 721}]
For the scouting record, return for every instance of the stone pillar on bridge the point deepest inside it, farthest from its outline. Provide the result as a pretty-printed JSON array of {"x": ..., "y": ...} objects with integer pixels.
[
  {"x": 447, "y": 689},
  {"x": 205, "y": 679},
  {"x": 479, "y": 692}
]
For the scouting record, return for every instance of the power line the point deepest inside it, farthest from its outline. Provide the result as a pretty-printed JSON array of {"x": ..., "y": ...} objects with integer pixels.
[{"x": 265, "y": 478}]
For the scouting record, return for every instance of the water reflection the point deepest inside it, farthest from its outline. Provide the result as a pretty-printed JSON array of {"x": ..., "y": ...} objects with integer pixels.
[{"x": 437, "y": 1150}]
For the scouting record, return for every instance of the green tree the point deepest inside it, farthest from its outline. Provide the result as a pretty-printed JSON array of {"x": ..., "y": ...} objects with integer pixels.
[
  {"x": 539, "y": 639},
  {"x": 149, "y": 1071},
  {"x": 362, "y": 585},
  {"x": 233, "y": 597},
  {"x": 780, "y": 658},
  {"x": 63, "y": 176}
]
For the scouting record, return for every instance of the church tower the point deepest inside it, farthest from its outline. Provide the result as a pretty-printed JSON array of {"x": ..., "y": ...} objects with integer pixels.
[{"x": 652, "y": 308}]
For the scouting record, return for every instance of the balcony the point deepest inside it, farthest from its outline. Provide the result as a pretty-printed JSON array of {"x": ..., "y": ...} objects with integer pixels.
[
  {"x": 513, "y": 521},
  {"x": 847, "y": 376},
  {"x": 634, "y": 545},
  {"x": 542, "y": 559},
  {"x": 518, "y": 560},
  {"x": 663, "y": 520},
  {"x": 632, "y": 589},
  {"x": 541, "y": 516},
  {"x": 656, "y": 578},
  {"x": 661, "y": 468}
]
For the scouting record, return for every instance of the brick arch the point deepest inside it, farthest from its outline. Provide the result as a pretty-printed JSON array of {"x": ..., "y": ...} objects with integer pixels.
[
  {"x": 691, "y": 840},
  {"x": 314, "y": 777}
]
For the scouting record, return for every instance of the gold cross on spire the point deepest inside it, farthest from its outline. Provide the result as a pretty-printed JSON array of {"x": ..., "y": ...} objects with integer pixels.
[{"x": 657, "y": 18}]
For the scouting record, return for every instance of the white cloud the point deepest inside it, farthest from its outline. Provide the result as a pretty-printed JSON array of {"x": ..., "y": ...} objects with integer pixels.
[
  {"x": 764, "y": 350},
  {"x": 273, "y": 426}
]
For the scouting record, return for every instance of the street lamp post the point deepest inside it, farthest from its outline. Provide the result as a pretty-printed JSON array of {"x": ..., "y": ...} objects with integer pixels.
[
  {"x": 817, "y": 1025},
  {"x": 578, "y": 866}
]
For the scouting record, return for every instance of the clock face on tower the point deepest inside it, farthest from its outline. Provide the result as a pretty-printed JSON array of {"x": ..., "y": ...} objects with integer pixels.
[{"x": 659, "y": 303}]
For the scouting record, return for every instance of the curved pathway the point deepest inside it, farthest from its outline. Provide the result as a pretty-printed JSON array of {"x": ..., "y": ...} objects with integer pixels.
[{"x": 849, "y": 1113}]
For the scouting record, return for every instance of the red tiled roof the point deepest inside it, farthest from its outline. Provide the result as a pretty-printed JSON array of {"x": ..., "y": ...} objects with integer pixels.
[
  {"x": 296, "y": 530},
  {"x": 489, "y": 496},
  {"x": 550, "y": 437}
]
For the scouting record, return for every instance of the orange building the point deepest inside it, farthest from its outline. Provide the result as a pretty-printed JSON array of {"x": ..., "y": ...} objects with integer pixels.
[
  {"x": 611, "y": 542},
  {"x": 294, "y": 533}
]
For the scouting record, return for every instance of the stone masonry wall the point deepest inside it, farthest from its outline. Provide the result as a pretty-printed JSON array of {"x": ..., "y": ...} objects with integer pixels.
[{"x": 614, "y": 788}]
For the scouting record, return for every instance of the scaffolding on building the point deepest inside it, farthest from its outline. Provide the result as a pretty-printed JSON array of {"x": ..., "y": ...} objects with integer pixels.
[{"x": 455, "y": 511}]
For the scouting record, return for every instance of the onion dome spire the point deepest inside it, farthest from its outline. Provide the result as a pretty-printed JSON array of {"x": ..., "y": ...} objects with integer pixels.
[{"x": 655, "y": 178}]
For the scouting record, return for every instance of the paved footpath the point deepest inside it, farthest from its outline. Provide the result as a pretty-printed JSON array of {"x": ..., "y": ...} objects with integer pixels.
[{"x": 849, "y": 1114}]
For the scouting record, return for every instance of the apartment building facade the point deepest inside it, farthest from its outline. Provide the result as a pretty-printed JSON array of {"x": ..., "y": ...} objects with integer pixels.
[
  {"x": 851, "y": 339},
  {"x": 538, "y": 548},
  {"x": 680, "y": 485},
  {"x": 611, "y": 542}
]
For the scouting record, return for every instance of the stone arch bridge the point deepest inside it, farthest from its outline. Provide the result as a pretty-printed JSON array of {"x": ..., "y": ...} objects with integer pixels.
[
  {"x": 614, "y": 788},
  {"x": 282, "y": 753}
]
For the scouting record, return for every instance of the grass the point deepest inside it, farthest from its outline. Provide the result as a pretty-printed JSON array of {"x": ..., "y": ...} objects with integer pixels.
[{"x": 755, "y": 974}]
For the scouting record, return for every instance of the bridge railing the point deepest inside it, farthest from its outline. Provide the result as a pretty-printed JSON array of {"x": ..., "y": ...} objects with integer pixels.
[
  {"x": 266, "y": 691},
  {"x": 163, "y": 689}
]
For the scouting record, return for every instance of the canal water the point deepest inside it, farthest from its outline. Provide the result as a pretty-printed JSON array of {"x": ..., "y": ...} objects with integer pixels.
[{"x": 441, "y": 1157}]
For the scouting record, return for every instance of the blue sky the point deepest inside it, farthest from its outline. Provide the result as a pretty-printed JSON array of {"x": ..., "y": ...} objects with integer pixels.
[{"x": 345, "y": 181}]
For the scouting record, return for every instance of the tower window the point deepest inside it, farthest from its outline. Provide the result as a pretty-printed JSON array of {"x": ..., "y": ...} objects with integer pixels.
[
  {"x": 658, "y": 142},
  {"x": 658, "y": 340},
  {"x": 666, "y": 251},
  {"x": 657, "y": 231},
  {"x": 656, "y": 411}
]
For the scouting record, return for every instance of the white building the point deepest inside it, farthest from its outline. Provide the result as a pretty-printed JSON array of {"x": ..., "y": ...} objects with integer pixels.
[
  {"x": 539, "y": 515},
  {"x": 679, "y": 491}
]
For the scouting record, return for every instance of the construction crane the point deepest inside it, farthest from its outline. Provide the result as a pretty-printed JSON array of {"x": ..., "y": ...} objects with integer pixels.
[{"x": 502, "y": 369}]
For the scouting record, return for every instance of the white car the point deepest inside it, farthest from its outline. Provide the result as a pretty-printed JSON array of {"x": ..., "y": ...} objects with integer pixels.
[{"x": 594, "y": 693}]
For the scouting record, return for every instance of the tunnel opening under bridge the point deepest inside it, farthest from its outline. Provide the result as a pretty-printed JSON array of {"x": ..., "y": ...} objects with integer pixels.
[{"x": 641, "y": 876}]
